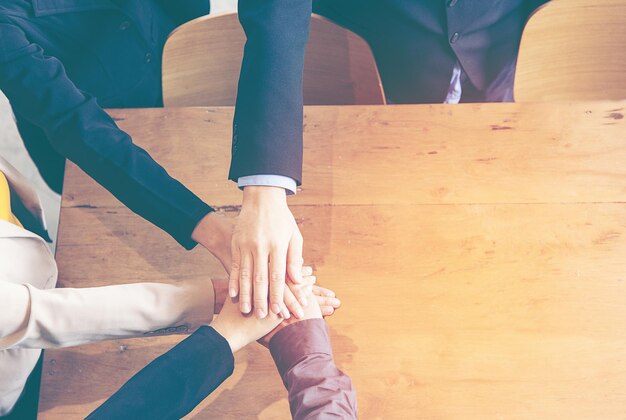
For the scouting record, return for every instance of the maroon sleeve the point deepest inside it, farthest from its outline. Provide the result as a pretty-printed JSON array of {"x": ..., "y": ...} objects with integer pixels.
[{"x": 317, "y": 389}]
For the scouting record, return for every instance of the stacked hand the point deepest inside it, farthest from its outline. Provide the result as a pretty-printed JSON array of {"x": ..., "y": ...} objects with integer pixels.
[
  {"x": 262, "y": 253},
  {"x": 325, "y": 298},
  {"x": 241, "y": 329},
  {"x": 312, "y": 310},
  {"x": 266, "y": 247}
]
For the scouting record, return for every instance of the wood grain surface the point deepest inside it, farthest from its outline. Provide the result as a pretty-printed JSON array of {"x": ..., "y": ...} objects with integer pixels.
[{"x": 485, "y": 280}]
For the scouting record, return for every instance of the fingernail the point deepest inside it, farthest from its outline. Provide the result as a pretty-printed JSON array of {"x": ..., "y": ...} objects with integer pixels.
[
  {"x": 337, "y": 302},
  {"x": 300, "y": 313},
  {"x": 260, "y": 313},
  {"x": 286, "y": 314},
  {"x": 232, "y": 292},
  {"x": 304, "y": 301},
  {"x": 276, "y": 308},
  {"x": 245, "y": 308}
]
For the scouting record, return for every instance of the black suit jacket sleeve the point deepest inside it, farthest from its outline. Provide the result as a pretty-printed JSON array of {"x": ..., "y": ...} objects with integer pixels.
[
  {"x": 267, "y": 132},
  {"x": 173, "y": 384},
  {"x": 79, "y": 129}
]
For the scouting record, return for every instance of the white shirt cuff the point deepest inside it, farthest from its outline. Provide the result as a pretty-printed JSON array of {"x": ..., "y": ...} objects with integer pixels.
[{"x": 289, "y": 184}]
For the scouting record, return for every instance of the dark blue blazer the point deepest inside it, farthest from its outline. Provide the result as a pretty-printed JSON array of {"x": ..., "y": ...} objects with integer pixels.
[
  {"x": 416, "y": 44},
  {"x": 52, "y": 70},
  {"x": 173, "y": 384},
  {"x": 63, "y": 61}
]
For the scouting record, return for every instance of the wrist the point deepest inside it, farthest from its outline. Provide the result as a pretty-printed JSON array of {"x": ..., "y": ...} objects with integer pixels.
[
  {"x": 229, "y": 334},
  {"x": 213, "y": 232},
  {"x": 256, "y": 195}
]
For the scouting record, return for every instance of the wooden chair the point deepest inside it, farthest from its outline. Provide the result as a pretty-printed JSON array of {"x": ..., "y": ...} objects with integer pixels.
[
  {"x": 573, "y": 50},
  {"x": 202, "y": 60}
]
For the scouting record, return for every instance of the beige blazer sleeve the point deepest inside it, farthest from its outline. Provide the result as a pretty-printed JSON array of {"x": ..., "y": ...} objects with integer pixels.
[
  {"x": 68, "y": 317},
  {"x": 34, "y": 315}
]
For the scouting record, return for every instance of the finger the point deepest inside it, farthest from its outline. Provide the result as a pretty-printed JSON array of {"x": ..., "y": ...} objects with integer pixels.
[
  {"x": 328, "y": 301},
  {"x": 327, "y": 310},
  {"x": 303, "y": 289},
  {"x": 322, "y": 291},
  {"x": 307, "y": 281},
  {"x": 292, "y": 304},
  {"x": 294, "y": 258},
  {"x": 245, "y": 284},
  {"x": 307, "y": 270},
  {"x": 260, "y": 284},
  {"x": 233, "y": 282},
  {"x": 278, "y": 269},
  {"x": 302, "y": 293}
]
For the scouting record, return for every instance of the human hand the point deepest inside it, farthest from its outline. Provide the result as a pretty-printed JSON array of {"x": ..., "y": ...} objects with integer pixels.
[
  {"x": 266, "y": 246},
  {"x": 310, "y": 311},
  {"x": 214, "y": 232},
  {"x": 326, "y": 298},
  {"x": 242, "y": 329}
]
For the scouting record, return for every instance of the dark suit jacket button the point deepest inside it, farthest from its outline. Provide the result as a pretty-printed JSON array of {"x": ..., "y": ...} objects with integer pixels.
[
  {"x": 124, "y": 25},
  {"x": 455, "y": 36},
  {"x": 148, "y": 57}
]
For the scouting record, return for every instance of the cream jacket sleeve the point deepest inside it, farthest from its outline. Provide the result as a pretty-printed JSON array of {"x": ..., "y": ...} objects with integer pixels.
[
  {"x": 68, "y": 317},
  {"x": 35, "y": 315}
]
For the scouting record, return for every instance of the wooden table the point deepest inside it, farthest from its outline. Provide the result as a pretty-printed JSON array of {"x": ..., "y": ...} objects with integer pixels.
[{"x": 479, "y": 250}]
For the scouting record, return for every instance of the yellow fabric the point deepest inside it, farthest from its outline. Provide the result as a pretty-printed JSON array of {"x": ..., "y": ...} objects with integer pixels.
[{"x": 5, "y": 202}]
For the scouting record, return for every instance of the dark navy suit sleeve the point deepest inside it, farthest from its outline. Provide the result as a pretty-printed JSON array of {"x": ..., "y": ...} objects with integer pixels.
[
  {"x": 267, "y": 133},
  {"x": 79, "y": 129},
  {"x": 173, "y": 384}
]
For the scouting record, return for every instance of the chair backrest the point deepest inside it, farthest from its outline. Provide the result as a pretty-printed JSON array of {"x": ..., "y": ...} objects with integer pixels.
[
  {"x": 202, "y": 60},
  {"x": 573, "y": 50}
]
